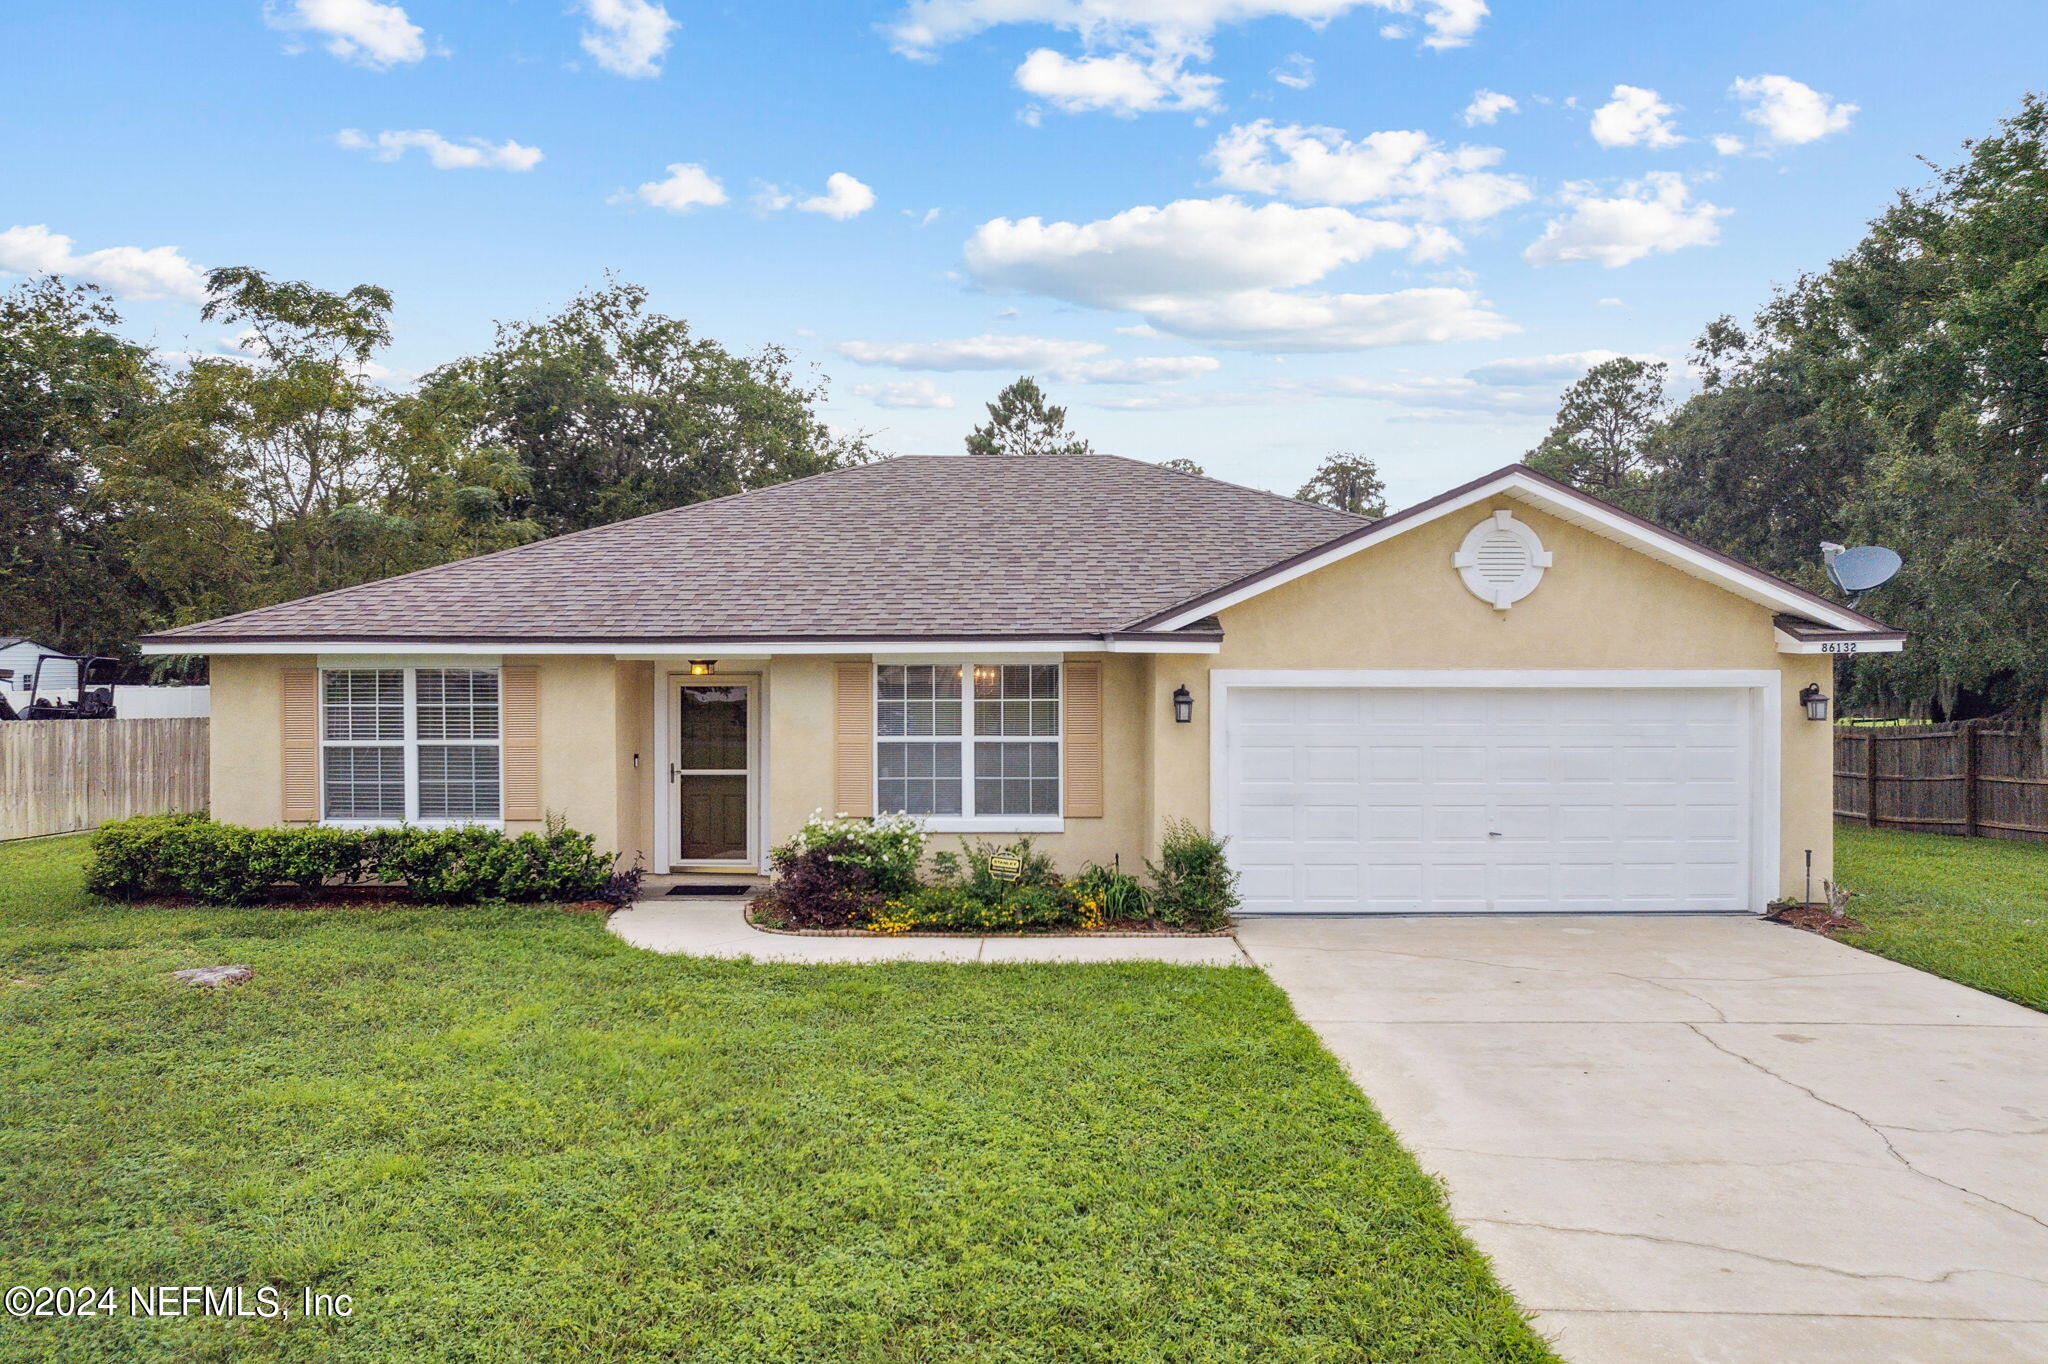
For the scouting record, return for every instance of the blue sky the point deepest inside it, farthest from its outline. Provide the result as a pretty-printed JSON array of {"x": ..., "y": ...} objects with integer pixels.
[{"x": 1243, "y": 231}]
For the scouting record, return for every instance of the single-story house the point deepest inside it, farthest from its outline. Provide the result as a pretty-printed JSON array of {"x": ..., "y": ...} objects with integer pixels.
[{"x": 1511, "y": 697}]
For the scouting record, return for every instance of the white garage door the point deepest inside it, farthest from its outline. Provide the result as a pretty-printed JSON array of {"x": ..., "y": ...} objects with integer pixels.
[{"x": 1429, "y": 800}]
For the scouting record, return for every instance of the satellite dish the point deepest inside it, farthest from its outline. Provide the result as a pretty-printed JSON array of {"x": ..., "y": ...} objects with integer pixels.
[{"x": 1863, "y": 568}]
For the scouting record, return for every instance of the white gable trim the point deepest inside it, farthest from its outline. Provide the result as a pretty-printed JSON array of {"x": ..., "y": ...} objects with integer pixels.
[{"x": 1581, "y": 511}]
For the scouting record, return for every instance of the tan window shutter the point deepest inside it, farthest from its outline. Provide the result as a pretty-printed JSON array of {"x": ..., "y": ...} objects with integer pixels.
[
  {"x": 299, "y": 693},
  {"x": 519, "y": 735},
  {"x": 853, "y": 739},
  {"x": 1083, "y": 739}
]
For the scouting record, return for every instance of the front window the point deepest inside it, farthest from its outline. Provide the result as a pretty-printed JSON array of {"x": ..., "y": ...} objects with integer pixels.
[
  {"x": 409, "y": 744},
  {"x": 943, "y": 753}
]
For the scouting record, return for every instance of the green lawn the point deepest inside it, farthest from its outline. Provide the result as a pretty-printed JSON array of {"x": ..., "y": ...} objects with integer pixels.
[
  {"x": 1972, "y": 909},
  {"x": 509, "y": 1136}
]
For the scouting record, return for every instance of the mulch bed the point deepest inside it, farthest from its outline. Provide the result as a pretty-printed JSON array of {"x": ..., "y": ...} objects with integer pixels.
[{"x": 1814, "y": 919}]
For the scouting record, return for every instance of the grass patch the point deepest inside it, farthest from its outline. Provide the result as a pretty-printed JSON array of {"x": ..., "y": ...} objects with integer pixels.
[
  {"x": 510, "y": 1136},
  {"x": 1972, "y": 909}
]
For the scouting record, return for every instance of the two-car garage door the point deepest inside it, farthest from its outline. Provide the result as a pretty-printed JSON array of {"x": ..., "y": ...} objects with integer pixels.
[{"x": 1348, "y": 800}]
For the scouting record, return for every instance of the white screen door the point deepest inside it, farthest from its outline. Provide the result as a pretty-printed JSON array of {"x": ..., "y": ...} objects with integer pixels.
[{"x": 712, "y": 771}]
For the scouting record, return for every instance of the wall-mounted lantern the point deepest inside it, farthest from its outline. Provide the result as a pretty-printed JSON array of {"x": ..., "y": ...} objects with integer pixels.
[
  {"x": 1183, "y": 705},
  {"x": 1815, "y": 701},
  {"x": 703, "y": 667}
]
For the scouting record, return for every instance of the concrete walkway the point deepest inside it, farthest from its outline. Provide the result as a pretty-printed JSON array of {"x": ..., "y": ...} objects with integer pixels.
[
  {"x": 1703, "y": 1138},
  {"x": 718, "y": 928}
]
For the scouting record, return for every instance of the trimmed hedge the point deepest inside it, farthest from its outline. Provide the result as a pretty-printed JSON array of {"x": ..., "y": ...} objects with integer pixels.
[{"x": 190, "y": 855}]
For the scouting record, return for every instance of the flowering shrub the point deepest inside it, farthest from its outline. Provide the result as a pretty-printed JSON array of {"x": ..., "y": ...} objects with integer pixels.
[
  {"x": 953, "y": 909},
  {"x": 887, "y": 847}
]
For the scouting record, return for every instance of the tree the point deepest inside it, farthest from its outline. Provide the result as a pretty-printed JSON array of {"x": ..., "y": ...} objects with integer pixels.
[
  {"x": 286, "y": 470},
  {"x": 614, "y": 411},
  {"x": 1599, "y": 441},
  {"x": 1021, "y": 422},
  {"x": 1349, "y": 482},
  {"x": 1186, "y": 466},
  {"x": 69, "y": 390}
]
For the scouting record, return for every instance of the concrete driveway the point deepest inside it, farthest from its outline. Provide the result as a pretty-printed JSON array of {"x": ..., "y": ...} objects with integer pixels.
[{"x": 1704, "y": 1138}]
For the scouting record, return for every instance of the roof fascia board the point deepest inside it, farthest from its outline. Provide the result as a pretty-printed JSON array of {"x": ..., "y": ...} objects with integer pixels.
[
  {"x": 1839, "y": 642},
  {"x": 983, "y": 646},
  {"x": 1568, "y": 505}
]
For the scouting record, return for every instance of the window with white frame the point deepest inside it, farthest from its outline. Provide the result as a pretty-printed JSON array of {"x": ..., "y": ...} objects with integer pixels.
[
  {"x": 942, "y": 753},
  {"x": 411, "y": 744}
]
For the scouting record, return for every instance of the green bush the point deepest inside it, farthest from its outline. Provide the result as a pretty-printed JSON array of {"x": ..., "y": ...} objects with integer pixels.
[
  {"x": 190, "y": 855},
  {"x": 1120, "y": 896},
  {"x": 953, "y": 908},
  {"x": 1035, "y": 869},
  {"x": 1192, "y": 883}
]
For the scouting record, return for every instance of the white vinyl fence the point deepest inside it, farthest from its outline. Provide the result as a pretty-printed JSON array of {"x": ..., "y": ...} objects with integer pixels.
[{"x": 139, "y": 703}]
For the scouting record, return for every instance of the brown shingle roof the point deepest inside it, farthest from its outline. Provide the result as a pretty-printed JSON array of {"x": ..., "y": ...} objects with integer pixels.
[{"x": 915, "y": 547}]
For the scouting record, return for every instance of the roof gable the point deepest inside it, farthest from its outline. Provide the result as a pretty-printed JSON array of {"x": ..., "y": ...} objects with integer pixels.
[{"x": 1568, "y": 504}]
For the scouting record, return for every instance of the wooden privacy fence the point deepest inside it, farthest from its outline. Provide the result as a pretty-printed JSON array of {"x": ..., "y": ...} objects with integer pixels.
[
  {"x": 1975, "y": 779},
  {"x": 61, "y": 775}
]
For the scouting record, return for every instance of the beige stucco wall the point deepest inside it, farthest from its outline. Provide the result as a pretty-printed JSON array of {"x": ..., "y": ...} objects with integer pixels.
[
  {"x": 247, "y": 740},
  {"x": 1398, "y": 605},
  {"x": 1401, "y": 605}
]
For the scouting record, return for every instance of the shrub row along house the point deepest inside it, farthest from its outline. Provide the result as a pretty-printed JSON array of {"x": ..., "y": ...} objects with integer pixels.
[{"x": 1511, "y": 697}]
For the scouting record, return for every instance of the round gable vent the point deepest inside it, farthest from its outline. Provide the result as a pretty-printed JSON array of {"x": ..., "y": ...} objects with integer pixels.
[{"x": 1501, "y": 560}]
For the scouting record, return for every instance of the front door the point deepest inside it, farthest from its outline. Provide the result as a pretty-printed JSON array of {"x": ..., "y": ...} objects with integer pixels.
[{"x": 712, "y": 771}]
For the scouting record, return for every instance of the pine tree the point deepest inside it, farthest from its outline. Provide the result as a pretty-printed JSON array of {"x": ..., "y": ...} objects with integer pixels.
[{"x": 1021, "y": 422}]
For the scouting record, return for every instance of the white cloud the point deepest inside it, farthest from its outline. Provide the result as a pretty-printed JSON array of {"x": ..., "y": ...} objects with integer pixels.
[
  {"x": 844, "y": 197},
  {"x": 989, "y": 351},
  {"x": 1487, "y": 106},
  {"x": 1790, "y": 113},
  {"x": 688, "y": 186},
  {"x": 925, "y": 25},
  {"x": 1406, "y": 173},
  {"x": 1728, "y": 145},
  {"x": 904, "y": 393},
  {"x": 1542, "y": 371},
  {"x": 1072, "y": 361},
  {"x": 359, "y": 31},
  {"x": 1123, "y": 84},
  {"x": 1149, "y": 369},
  {"x": 627, "y": 37},
  {"x": 1652, "y": 215},
  {"x": 1215, "y": 270},
  {"x": 125, "y": 271},
  {"x": 1609, "y": 303},
  {"x": 474, "y": 153},
  {"x": 1635, "y": 117},
  {"x": 1295, "y": 71},
  {"x": 1144, "y": 329}
]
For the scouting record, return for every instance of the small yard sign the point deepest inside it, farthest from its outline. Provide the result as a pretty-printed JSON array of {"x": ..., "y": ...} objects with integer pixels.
[{"x": 1005, "y": 866}]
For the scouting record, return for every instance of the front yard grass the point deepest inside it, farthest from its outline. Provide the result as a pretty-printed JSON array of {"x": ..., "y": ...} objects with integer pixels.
[
  {"x": 1972, "y": 909},
  {"x": 509, "y": 1136}
]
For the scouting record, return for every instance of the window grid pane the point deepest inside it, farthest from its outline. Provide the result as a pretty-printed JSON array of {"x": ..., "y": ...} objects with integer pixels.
[
  {"x": 1016, "y": 779},
  {"x": 458, "y": 782},
  {"x": 456, "y": 703},
  {"x": 363, "y": 704},
  {"x": 364, "y": 783},
  {"x": 1017, "y": 699},
  {"x": 918, "y": 779},
  {"x": 921, "y": 698}
]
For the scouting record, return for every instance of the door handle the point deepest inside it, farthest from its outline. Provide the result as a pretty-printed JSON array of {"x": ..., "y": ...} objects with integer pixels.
[{"x": 671, "y": 773}]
